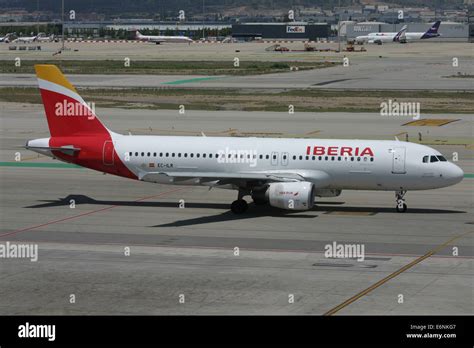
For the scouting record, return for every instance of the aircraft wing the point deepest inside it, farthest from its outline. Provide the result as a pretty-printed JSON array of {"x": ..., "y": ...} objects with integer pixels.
[
  {"x": 156, "y": 40},
  {"x": 237, "y": 178}
]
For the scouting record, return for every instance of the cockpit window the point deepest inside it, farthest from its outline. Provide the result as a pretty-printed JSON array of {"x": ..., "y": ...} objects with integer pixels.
[
  {"x": 442, "y": 159},
  {"x": 426, "y": 159},
  {"x": 433, "y": 159}
]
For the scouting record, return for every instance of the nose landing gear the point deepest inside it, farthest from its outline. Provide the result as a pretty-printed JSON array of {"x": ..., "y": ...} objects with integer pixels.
[{"x": 401, "y": 205}]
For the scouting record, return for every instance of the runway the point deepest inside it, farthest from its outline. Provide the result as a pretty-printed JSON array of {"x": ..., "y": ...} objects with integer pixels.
[{"x": 191, "y": 251}]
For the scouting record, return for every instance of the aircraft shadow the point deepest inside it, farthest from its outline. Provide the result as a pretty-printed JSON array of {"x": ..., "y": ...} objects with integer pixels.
[{"x": 253, "y": 211}]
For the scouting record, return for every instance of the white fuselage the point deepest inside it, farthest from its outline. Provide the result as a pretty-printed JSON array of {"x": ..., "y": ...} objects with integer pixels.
[
  {"x": 164, "y": 38},
  {"x": 377, "y": 37},
  {"x": 345, "y": 164}
]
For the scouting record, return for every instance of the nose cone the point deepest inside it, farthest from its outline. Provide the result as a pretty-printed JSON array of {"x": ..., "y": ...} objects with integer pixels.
[{"x": 454, "y": 174}]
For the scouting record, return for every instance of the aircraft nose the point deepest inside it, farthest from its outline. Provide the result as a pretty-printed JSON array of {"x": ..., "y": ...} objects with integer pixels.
[{"x": 454, "y": 173}]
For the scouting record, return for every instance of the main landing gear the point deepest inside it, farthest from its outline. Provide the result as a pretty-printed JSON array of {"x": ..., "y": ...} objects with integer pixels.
[
  {"x": 239, "y": 206},
  {"x": 401, "y": 205}
]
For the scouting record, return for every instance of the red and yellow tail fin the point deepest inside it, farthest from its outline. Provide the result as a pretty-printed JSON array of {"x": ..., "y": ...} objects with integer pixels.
[{"x": 67, "y": 113}]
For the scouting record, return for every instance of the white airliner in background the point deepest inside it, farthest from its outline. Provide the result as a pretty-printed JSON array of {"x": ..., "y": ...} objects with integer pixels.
[
  {"x": 429, "y": 34},
  {"x": 285, "y": 173},
  {"x": 402, "y": 36},
  {"x": 43, "y": 38},
  {"x": 158, "y": 39},
  {"x": 382, "y": 37},
  {"x": 25, "y": 39}
]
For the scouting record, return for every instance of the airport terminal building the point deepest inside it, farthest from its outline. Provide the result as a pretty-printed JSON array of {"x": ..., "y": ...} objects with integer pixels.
[{"x": 286, "y": 31}]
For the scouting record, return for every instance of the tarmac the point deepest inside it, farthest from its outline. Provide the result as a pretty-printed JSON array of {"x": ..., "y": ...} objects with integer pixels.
[{"x": 185, "y": 261}]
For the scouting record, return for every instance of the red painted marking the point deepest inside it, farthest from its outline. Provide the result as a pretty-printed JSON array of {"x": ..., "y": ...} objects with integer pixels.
[{"x": 84, "y": 214}]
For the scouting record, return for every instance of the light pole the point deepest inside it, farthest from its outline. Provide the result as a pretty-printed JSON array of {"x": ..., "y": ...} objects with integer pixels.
[
  {"x": 62, "y": 25},
  {"x": 203, "y": 20},
  {"x": 339, "y": 27}
]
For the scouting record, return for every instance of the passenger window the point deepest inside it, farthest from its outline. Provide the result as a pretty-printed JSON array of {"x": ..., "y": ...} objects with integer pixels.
[
  {"x": 307, "y": 157},
  {"x": 172, "y": 155},
  {"x": 267, "y": 156},
  {"x": 358, "y": 159},
  {"x": 326, "y": 158},
  {"x": 301, "y": 157},
  {"x": 197, "y": 155},
  {"x": 136, "y": 153},
  {"x": 203, "y": 155},
  {"x": 192, "y": 155},
  {"x": 442, "y": 159},
  {"x": 433, "y": 159},
  {"x": 313, "y": 158},
  {"x": 186, "y": 155},
  {"x": 371, "y": 159},
  {"x": 294, "y": 157},
  {"x": 339, "y": 158},
  {"x": 167, "y": 154},
  {"x": 148, "y": 154},
  {"x": 143, "y": 154},
  {"x": 332, "y": 158},
  {"x": 261, "y": 156},
  {"x": 320, "y": 158},
  {"x": 274, "y": 156},
  {"x": 154, "y": 154},
  {"x": 179, "y": 154}
]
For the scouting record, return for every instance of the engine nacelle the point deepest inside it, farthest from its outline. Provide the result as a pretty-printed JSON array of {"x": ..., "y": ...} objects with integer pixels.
[
  {"x": 327, "y": 192},
  {"x": 291, "y": 195}
]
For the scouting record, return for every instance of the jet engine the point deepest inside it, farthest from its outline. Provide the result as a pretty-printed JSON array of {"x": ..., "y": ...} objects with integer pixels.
[{"x": 287, "y": 195}]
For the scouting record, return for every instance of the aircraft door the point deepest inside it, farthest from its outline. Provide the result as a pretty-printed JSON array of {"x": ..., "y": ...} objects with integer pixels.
[
  {"x": 274, "y": 158},
  {"x": 108, "y": 153},
  {"x": 398, "y": 160},
  {"x": 284, "y": 158}
]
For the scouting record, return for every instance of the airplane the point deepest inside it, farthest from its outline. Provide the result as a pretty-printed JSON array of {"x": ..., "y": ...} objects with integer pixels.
[
  {"x": 6, "y": 38},
  {"x": 402, "y": 36},
  {"x": 43, "y": 38},
  {"x": 158, "y": 39},
  {"x": 26, "y": 39},
  {"x": 429, "y": 34},
  {"x": 284, "y": 173},
  {"x": 383, "y": 37}
]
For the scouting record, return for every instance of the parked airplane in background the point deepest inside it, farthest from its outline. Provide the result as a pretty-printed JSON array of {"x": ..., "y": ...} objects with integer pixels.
[
  {"x": 285, "y": 173},
  {"x": 43, "y": 38},
  {"x": 158, "y": 39},
  {"x": 429, "y": 34},
  {"x": 383, "y": 37},
  {"x": 6, "y": 38},
  {"x": 26, "y": 39},
  {"x": 402, "y": 36}
]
